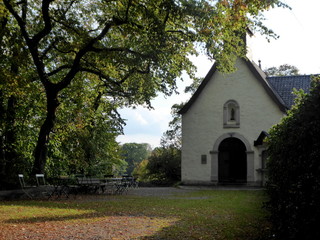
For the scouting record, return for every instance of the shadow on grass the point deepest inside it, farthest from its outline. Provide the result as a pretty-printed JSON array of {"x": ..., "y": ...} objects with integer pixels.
[{"x": 199, "y": 215}]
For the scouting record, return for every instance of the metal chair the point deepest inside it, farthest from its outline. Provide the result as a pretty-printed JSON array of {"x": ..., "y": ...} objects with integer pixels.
[
  {"x": 40, "y": 180},
  {"x": 24, "y": 186},
  {"x": 45, "y": 189}
]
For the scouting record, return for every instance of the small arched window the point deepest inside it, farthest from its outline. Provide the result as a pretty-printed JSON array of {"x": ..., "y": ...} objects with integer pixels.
[{"x": 231, "y": 114}]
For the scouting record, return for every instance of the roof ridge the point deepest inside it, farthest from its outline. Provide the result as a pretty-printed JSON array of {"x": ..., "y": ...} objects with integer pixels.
[{"x": 293, "y": 76}]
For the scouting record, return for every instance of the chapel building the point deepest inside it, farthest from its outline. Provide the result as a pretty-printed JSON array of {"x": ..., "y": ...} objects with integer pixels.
[{"x": 225, "y": 122}]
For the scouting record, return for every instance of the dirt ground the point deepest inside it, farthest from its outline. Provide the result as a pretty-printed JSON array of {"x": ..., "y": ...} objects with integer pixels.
[
  {"x": 102, "y": 228},
  {"x": 99, "y": 228}
]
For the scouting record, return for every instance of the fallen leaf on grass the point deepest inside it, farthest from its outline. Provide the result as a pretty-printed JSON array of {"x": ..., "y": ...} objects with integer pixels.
[{"x": 114, "y": 227}]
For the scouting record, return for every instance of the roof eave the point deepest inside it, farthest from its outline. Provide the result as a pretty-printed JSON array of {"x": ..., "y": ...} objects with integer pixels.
[
  {"x": 260, "y": 75},
  {"x": 186, "y": 107}
]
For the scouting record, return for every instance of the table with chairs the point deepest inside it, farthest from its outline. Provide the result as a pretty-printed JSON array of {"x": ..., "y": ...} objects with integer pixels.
[{"x": 65, "y": 186}]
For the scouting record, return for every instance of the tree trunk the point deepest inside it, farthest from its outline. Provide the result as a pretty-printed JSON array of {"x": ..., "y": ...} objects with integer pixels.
[
  {"x": 10, "y": 135},
  {"x": 8, "y": 153},
  {"x": 41, "y": 149},
  {"x": 2, "y": 146}
]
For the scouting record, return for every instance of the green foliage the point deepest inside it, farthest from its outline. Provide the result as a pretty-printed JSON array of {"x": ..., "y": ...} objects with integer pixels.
[
  {"x": 20, "y": 105},
  {"x": 282, "y": 70},
  {"x": 172, "y": 137},
  {"x": 141, "y": 171},
  {"x": 294, "y": 170},
  {"x": 133, "y": 154},
  {"x": 163, "y": 166},
  {"x": 84, "y": 137}
]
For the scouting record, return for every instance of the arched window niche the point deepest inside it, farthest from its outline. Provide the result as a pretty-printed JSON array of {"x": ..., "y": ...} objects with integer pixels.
[{"x": 231, "y": 114}]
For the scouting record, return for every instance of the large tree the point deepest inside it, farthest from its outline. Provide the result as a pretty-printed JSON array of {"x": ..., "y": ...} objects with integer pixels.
[
  {"x": 135, "y": 48},
  {"x": 16, "y": 101},
  {"x": 84, "y": 137}
]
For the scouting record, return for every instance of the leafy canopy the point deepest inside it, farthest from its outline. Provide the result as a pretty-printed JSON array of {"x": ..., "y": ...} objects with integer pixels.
[{"x": 135, "y": 47}]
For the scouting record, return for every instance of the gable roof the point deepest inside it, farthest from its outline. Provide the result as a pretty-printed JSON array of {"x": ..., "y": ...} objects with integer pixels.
[
  {"x": 257, "y": 72},
  {"x": 284, "y": 85},
  {"x": 194, "y": 97},
  {"x": 260, "y": 139}
]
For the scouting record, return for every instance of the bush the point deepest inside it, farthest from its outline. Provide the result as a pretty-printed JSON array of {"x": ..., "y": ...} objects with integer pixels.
[
  {"x": 165, "y": 164},
  {"x": 294, "y": 171},
  {"x": 163, "y": 167}
]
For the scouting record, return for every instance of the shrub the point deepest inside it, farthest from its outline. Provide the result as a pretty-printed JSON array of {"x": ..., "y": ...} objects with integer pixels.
[
  {"x": 294, "y": 171},
  {"x": 165, "y": 164},
  {"x": 163, "y": 167}
]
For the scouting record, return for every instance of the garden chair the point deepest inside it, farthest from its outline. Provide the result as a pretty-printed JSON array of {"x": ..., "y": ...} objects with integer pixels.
[
  {"x": 46, "y": 190},
  {"x": 25, "y": 187},
  {"x": 40, "y": 180}
]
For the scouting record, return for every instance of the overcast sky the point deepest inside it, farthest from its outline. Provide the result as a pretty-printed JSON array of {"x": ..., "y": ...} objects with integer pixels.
[{"x": 298, "y": 45}]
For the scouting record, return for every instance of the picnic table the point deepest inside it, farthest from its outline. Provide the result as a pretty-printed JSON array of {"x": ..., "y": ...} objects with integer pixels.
[{"x": 66, "y": 185}]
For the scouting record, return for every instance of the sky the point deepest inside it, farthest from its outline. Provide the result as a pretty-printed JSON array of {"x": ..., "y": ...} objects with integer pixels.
[{"x": 298, "y": 45}]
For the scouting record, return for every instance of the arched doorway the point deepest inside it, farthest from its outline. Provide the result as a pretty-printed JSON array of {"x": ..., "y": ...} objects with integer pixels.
[{"x": 232, "y": 161}]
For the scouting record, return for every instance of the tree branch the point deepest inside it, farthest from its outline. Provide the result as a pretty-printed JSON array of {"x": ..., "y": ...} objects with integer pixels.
[
  {"x": 127, "y": 10},
  {"x": 65, "y": 25},
  {"x": 57, "y": 70},
  {"x": 33, "y": 48},
  {"x": 21, "y": 23},
  {"x": 166, "y": 18},
  {"x": 64, "y": 52},
  {"x": 24, "y": 10},
  {"x": 51, "y": 45},
  {"x": 87, "y": 48},
  {"x": 47, "y": 22}
]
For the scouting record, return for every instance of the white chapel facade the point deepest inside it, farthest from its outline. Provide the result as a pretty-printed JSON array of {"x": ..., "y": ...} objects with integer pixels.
[{"x": 224, "y": 124}]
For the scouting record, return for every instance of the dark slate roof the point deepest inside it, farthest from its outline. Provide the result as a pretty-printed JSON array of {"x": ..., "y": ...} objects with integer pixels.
[{"x": 284, "y": 86}]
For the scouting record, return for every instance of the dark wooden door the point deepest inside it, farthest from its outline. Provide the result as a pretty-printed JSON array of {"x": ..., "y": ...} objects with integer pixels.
[{"x": 232, "y": 161}]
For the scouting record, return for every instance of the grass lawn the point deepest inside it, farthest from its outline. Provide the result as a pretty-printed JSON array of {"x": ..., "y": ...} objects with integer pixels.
[{"x": 205, "y": 214}]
